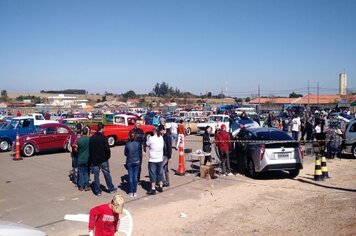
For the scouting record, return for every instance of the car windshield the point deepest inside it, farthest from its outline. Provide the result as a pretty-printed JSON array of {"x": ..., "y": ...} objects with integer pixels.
[
  {"x": 215, "y": 118},
  {"x": 272, "y": 135}
]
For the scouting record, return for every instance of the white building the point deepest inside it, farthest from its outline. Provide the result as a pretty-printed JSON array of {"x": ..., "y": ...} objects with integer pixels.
[
  {"x": 67, "y": 102},
  {"x": 342, "y": 83}
]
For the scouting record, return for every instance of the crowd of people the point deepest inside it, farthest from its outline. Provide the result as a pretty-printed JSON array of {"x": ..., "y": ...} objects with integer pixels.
[{"x": 91, "y": 154}]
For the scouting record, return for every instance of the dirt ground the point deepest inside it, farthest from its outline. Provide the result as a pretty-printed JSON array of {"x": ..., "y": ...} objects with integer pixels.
[{"x": 272, "y": 205}]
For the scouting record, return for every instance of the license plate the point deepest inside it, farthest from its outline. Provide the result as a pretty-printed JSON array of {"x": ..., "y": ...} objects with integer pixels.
[{"x": 282, "y": 155}]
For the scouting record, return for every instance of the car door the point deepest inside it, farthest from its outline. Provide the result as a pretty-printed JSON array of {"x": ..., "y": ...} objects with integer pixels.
[{"x": 61, "y": 137}]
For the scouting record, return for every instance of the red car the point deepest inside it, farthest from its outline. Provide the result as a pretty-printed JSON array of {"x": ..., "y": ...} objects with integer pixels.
[{"x": 53, "y": 136}]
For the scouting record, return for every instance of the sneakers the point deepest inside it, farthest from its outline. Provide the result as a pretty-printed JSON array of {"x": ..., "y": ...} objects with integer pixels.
[
  {"x": 160, "y": 189},
  {"x": 152, "y": 192},
  {"x": 131, "y": 195},
  {"x": 87, "y": 189},
  {"x": 230, "y": 174},
  {"x": 113, "y": 191},
  {"x": 98, "y": 194},
  {"x": 135, "y": 195}
]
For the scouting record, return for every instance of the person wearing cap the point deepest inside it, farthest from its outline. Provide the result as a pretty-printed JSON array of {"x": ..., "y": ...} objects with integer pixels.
[
  {"x": 155, "y": 146},
  {"x": 222, "y": 140},
  {"x": 100, "y": 155},
  {"x": 104, "y": 219}
]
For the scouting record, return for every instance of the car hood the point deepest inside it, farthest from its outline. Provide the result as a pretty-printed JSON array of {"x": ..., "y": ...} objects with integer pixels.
[{"x": 13, "y": 229}]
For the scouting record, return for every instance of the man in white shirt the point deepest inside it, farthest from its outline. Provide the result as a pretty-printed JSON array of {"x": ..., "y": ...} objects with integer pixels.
[
  {"x": 295, "y": 127},
  {"x": 155, "y": 146}
]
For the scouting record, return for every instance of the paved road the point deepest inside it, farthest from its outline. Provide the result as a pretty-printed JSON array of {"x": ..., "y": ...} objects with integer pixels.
[{"x": 36, "y": 191}]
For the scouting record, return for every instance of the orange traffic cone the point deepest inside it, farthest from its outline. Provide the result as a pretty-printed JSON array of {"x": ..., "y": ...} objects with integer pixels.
[
  {"x": 181, "y": 168},
  {"x": 17, "y": 152}
]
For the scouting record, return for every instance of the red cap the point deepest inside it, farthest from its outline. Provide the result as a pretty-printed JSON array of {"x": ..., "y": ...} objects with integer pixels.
[{"x": 223, "y": 126}]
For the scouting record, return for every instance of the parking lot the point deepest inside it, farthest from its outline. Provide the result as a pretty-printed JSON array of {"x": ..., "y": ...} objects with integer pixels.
[{"x": 36, "y": 191}]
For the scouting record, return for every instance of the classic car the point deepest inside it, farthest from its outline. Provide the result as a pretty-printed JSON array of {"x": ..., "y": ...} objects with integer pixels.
[
  {"x": 119, "y": 130},
  {"x": 20, "y": 125},
  {"x": 213, "y": 122},
  {"x": 53, "y": 136},
  {"x": 191, "y": 124}
]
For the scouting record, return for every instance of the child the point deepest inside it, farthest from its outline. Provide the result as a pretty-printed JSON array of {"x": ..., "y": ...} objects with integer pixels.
[{"x": 103, "y": 219}]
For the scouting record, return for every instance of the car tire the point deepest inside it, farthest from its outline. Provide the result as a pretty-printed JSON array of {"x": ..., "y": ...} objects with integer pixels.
[
  {"x": 188, "y": 131},
  {"x": 4, "y": 145},
  {"x": 293, "y": 173},
  {"x": 111, "y": 141},
  {"x": 251, "y": 168},
  {"x": 353, "y": 151},
  {"x": 28, "y": 150}
]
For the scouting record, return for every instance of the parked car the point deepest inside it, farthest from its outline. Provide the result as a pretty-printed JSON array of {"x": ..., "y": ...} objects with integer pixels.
[
  {"x": 14, "y": 229},
  {"x": 262, "y": 154},
  {"x": 119, "y": 130},
  {"x": 20, "y": 125},
  {"x": 349, "y": 143},
  {"x": 53, "y": 136},
  {"x": 247, "y": 122},
  {"x": 39, "y": 119},
  {"x": 191, "y": 124},
  {"x": 340, "y": 116},
  {"x": 213, "y": 121}
]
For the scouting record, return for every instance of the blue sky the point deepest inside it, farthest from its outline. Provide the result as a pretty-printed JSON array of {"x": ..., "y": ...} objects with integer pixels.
[{"x": 197, "y": 46}]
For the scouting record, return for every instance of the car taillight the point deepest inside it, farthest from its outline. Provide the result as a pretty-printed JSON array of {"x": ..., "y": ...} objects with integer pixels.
[
  {"x": 301, "y": 151},
  {"x": 262, "y": 151}
]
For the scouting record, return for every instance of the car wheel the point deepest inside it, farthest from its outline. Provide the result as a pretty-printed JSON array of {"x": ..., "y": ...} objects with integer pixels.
[
  {"x": 28, "y": 150},
  {"x": 353, "y": 151},
  {"x": 4, "y": 145},
  {"x": 188, "y": 131},
  {"x": 251, "y": 168},
  {"x": 293, "y": 173},
  {"x": 111, "y": 141}
]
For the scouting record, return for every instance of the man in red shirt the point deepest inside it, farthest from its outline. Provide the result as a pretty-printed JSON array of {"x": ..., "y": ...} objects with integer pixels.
[
  {"x": 222, "y": 139},
  {"x": 103, "y": 219}
]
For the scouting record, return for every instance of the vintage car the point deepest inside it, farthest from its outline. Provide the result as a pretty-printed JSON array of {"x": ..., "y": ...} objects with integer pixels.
[
  {"x": 191, "y": 124},
  {"x": 119, "y": 130},
  {"x": 213, "y": 122},
  {"x": 53, "y": 136},
  {"x": 20, "y": 125},
  {"x": 40, "y": 120}
]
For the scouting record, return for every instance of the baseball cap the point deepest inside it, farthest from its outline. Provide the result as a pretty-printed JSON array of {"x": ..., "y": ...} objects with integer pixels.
[
  {"x": 117, "y": 203},
  {"x": 223, "y": 126}
]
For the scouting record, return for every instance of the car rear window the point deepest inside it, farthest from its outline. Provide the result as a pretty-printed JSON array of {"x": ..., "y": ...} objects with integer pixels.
[{"x": 273, "y": 135}]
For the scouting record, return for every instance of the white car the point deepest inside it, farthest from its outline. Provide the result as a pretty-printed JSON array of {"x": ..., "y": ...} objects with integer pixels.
[
  {"x": 14, "y": 229},
  {"x": 213, "y": 122},
  {"x": 40, "y": 120}
]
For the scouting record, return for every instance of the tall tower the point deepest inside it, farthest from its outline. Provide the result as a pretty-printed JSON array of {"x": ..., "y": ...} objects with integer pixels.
[{"x": 342, "y": 83}]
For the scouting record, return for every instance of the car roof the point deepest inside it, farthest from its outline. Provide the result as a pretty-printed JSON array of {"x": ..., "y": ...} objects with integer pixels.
[
  {"x": 22, "y": 117},
  {"x": 263, "y": 129}
]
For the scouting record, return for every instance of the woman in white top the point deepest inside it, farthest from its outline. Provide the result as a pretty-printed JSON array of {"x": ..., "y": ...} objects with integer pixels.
[{"x": 155, "y": 145}]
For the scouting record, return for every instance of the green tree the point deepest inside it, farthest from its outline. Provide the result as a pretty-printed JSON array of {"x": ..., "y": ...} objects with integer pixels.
[
  {"x": 295, "y": 95},
  {"x": 4, "y": 96},
  {"x": 247, "y": 99},
  {"x": 129, "y": 94}
]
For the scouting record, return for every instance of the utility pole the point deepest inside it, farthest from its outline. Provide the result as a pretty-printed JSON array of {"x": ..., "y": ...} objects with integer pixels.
[
  {"x": 259, "y": 96},
  {"x": 318, "y": 95}
]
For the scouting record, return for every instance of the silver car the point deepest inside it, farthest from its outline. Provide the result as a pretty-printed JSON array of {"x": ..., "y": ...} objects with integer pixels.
[
  {"x": 349, "y": 144},
  {"x": 267, "y": 149}
]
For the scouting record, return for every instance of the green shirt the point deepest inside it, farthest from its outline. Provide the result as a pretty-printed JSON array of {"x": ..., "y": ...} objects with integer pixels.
[{"x": 83, "y": 149}]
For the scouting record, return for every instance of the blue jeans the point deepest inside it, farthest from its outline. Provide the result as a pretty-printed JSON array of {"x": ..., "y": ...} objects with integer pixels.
[
  {"x": 83, "y": 177},
  {"x": 106, "y": 171},
  {"x": 155, "y": 170},
  {"x": 295, "y": 135},
  {"x": 133, "y": 169}
]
